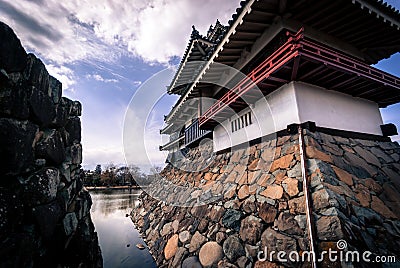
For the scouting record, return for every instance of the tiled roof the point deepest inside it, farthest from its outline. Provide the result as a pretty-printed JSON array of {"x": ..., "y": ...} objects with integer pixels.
[
  {"x": 198, "y": 51},
  {"x": 372, "y": 27}
]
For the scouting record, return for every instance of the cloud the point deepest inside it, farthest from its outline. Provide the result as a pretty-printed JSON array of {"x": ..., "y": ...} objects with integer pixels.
[
  {"x": 69, "y": 31},
  {"x": 32, "y": 23},
  {"x": 55, "y": 33},
  {"x": 164, "y": 26},
  {"x": 64, "y": 74},
  {"x": 136, "y": 83},
  {"x": 99, "y": 78}
]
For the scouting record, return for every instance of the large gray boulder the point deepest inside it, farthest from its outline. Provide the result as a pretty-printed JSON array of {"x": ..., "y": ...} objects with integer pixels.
[
  {"x": 73, "y": 127},
  {"x": 41, "y": 187},
  {"x": 16, "y": 140},
  {"x": 60, "y": 117},
  {"x": 36, "y": 74},
  {"x": 12, "y": 54},
  {"x": 14, "y": 97},
  {"x": 47, "y": 216},
  {"x": 233, "y": 248},
  {"x": 70, "y": 223},
  {"x": 42, "y": 107},
  {"x": 51, "y": 147},
  {"x": 55, "y": 89}
]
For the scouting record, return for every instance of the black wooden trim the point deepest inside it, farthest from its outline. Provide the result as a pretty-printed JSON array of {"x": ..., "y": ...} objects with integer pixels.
[
  {"x": 311, "y": 127},
  {"x": 352, "y": 134}
]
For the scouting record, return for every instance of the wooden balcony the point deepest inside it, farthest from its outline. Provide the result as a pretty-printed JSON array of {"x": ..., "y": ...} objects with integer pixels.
[
  {"x": 193, "y": 133},
  {"x": 175, "y": 140}
]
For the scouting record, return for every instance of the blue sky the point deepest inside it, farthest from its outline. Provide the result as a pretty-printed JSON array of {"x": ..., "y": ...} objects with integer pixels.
[{"x": 104, "y": 50}]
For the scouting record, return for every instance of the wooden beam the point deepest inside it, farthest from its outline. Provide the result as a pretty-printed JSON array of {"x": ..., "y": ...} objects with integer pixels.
[
  {"x": 262, "y": 12},
  {"x": 241, "y": 41},
  {"x": 356, "y": 24},
  {"x": 368, "y": 92},
  {"x": 344, "y": 82},
  {"x": 311, "y": 73},
  {"x": 295, "y": 68},
  {"x": 265, "y": 84},
  {"x": 359, "y": 85},
  {"x": 282, "y": 6},
  {"x": 257, "y": 23},
  {"x": 323, "y": 9},
  {"x": 222, "y": 56},
  {"x": 373, "y": 31},
  {"x": 200, "y": 49},
  {"x": 248, "y": 32},
  {"x": 227, "y": 62},
  {"x": 335, "y": 78},
  {"x": 312, "y": 9},
  {"x": 382, "y": 39},
  {"x": 329, "y": 74},
  {"x": 340, "y": 23},
  {"x": 277, "y": 79},
  {"x": 298, "y": 3}
]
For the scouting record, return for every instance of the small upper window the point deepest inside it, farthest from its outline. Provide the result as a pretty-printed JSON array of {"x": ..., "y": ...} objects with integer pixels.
[{"x": 241, "y": 122}]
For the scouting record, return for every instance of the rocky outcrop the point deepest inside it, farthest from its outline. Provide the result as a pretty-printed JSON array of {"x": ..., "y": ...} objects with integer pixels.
[
  {"x": 256, "y": 202},
  {"x": 44, "y": 209}
]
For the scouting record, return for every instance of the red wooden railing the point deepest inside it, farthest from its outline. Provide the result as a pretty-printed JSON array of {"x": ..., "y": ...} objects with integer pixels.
[
  {"x": 281, "y": 56},
  {"x": 346, "y": 63},
  {"x": 295, "y": 46}
]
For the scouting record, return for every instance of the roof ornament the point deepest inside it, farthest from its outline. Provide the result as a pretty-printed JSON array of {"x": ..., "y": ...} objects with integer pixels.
[
  {"x": 195, "y": 33},
  {"x": 210, "y": 29}
]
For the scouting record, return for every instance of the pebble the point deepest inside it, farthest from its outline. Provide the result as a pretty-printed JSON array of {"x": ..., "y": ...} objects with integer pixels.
[{"x": 139, "y": 246}]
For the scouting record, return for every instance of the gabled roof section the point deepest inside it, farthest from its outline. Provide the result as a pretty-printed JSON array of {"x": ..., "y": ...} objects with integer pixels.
[
  {"x": 371, "y": 28},
  {"x": 196, "y": 54}
]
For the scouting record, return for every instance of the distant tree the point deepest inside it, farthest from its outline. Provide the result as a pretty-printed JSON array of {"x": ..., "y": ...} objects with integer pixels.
[
  {"x": 108, "y": 177},
  {"x": 123, "y": 175},
  {"x": 97, "y": 170},
  {"x": 87, "y": 177},
  {"x": 96, "y": 180},
  {"x": 117, "y": 176}
]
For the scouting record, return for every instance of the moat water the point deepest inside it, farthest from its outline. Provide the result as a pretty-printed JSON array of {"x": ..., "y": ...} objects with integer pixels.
[{"x": 117, "y": 234}]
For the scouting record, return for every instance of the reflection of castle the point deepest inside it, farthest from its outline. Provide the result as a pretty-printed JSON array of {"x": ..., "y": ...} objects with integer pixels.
[{"x": 309, "y": 59}]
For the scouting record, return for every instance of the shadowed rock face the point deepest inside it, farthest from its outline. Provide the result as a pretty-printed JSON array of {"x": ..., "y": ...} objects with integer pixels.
[
  {"x": 44, "y": 210},
  {"x": 354, "y": 185},
  {"x": 13, "y": 55}
]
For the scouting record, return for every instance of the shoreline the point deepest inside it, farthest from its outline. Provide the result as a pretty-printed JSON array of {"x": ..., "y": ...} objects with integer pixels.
[{"x": 95, "y": 188}]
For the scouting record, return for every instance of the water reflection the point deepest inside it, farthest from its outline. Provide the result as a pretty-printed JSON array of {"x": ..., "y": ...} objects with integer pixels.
[{"x": 117, "y": 234}]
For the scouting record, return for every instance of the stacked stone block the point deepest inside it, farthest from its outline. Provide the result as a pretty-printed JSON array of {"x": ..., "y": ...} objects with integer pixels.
[
  {"x": 44, "y": 209},
  {"x": 354, "y": 185}
]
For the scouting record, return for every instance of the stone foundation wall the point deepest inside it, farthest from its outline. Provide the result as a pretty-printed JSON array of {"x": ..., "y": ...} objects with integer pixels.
[
  {"x": 44, "y": 209},
  {"x": 257, "y": 200},
  {"x": 358, "y": 192}
]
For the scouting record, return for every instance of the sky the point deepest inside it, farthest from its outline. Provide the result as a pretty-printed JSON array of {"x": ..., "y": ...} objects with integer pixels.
[{"x": 104, "y": 51}]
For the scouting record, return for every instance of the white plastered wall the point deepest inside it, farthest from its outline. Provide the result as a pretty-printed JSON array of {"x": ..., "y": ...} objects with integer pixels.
[{"x": 299, "y": 102}]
